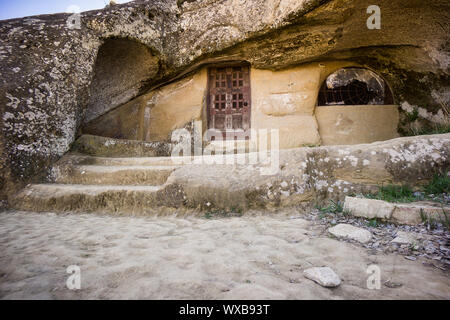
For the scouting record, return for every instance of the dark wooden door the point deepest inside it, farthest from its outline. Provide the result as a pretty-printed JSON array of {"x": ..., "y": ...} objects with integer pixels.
[{"x": 229, "y": 101}]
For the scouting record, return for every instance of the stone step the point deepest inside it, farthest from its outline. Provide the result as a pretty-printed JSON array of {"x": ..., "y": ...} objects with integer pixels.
[
  {"x": 230, "y": 147},
  {"x": 82, "y": 159},
  {"x": 113, "y": 175},
  {"x": 97, "y": 198},
  {"x": 106, "y": 147}
]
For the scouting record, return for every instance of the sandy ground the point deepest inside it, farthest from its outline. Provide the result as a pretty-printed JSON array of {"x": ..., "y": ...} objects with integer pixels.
[{"x": 250, "y": 257}]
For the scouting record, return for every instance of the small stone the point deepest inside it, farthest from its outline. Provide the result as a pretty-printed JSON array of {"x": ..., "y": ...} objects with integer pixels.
[
  {"x": 393, "y": 285},
  {"x": 324, "y": 276},
  {"x": 403, "y": 237},
  {"x": 410, "y": 258},
  {"x": 350, "y": 232},
  {"x": 430, "y": 249}
]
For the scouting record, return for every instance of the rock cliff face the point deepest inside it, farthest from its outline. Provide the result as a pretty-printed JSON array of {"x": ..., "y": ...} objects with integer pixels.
[{"x": 53, "y": 77}]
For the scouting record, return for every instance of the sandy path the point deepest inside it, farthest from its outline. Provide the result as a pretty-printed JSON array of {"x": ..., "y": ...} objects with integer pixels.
[{"x": 255, "y": 257}]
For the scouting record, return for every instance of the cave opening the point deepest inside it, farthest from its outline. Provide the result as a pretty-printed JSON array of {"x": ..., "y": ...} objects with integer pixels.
[{"x": 121, "y": 69}]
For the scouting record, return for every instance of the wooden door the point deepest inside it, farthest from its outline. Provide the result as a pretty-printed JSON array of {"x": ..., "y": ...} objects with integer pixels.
[{"x": 229, "y": 101}]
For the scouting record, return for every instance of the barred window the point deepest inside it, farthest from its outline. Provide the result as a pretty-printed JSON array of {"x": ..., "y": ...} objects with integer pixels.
[{"x": 354, "y": 86}]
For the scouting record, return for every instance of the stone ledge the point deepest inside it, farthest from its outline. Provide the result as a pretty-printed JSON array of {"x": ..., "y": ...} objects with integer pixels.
[
  {"x": 368, "y": 208},
  {"x": 415, "y": 213},
  {"x": 107, "y": 147},
  {"x": 401, "y": 213}
]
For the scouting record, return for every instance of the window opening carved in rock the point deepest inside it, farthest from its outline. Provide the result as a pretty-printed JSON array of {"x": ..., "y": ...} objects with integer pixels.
[{"x": 354, "y": 86}]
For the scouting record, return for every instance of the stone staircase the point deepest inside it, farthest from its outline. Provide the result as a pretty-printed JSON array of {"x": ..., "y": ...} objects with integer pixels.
[
  {"x": 89, "y": 183},
  {"x": 95, "y": 176},
  {"x": 113, "y": 176}
]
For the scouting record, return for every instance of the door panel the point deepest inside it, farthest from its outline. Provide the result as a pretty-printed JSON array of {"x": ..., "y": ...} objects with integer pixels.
[{"x": 229, "y": 101}]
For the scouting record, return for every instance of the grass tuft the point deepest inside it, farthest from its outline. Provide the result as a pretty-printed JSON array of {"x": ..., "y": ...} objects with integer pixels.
[
  {"x": 335, "y": 207},
  {"x": 412, "y": 116},
  {"x": 221, "y": 213},
  {"x": 372, "y": 223},
  {"x": 439, "y": 184},
  {"x": 393, "y": 193}
]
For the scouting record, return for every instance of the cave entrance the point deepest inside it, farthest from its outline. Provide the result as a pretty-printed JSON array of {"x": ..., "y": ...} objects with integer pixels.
[
  {"x": 229, "y": 102},
  {"x": 121, "y": 69}
]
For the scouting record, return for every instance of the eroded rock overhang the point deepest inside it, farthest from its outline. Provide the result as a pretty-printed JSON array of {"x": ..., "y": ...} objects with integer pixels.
[{"x": 47, "y": 68}]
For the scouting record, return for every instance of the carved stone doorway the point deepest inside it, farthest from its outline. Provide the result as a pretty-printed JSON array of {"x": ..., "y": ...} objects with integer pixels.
[{"x": 229, "y": 102}]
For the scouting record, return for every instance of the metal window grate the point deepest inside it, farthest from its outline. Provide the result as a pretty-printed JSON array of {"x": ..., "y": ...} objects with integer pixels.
[
  {"x": 354, "y": 86},
  {"x": 355, "y": 93}
]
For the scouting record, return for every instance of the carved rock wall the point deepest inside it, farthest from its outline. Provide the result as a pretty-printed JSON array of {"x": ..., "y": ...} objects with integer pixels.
[{"x": 46, "y": 69}]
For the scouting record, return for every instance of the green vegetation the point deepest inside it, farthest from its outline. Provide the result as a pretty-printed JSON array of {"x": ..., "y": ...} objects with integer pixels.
[
  {"x": 310, "y": 145},
  {"x": 322, "y": 215},
  {"x": 439, "y": 184},
  {"x": 435, "y": 128},
  {"x": 433, "y": 191},
  {"x": 413, "y": 125},
  {"x": 432, "y": 223},
  {"x": 412, "y": 116},
  {"x": 413, "y": 246},
  {"x": 373, "y": 223},
  {"x": 392, "y": 193},
  {"x": 335, "y": 207},
  {"x": 221, "y": 213}
]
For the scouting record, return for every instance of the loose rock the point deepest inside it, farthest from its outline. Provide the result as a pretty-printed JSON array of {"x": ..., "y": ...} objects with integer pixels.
[
  {"x": 406, "y": 238},
  {"x": 325, "y": 276},
  {"x": 348, "y": 231}
]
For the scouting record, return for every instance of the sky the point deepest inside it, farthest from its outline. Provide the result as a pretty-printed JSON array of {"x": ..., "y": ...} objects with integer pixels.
[{"x": 23, "y": 8}]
